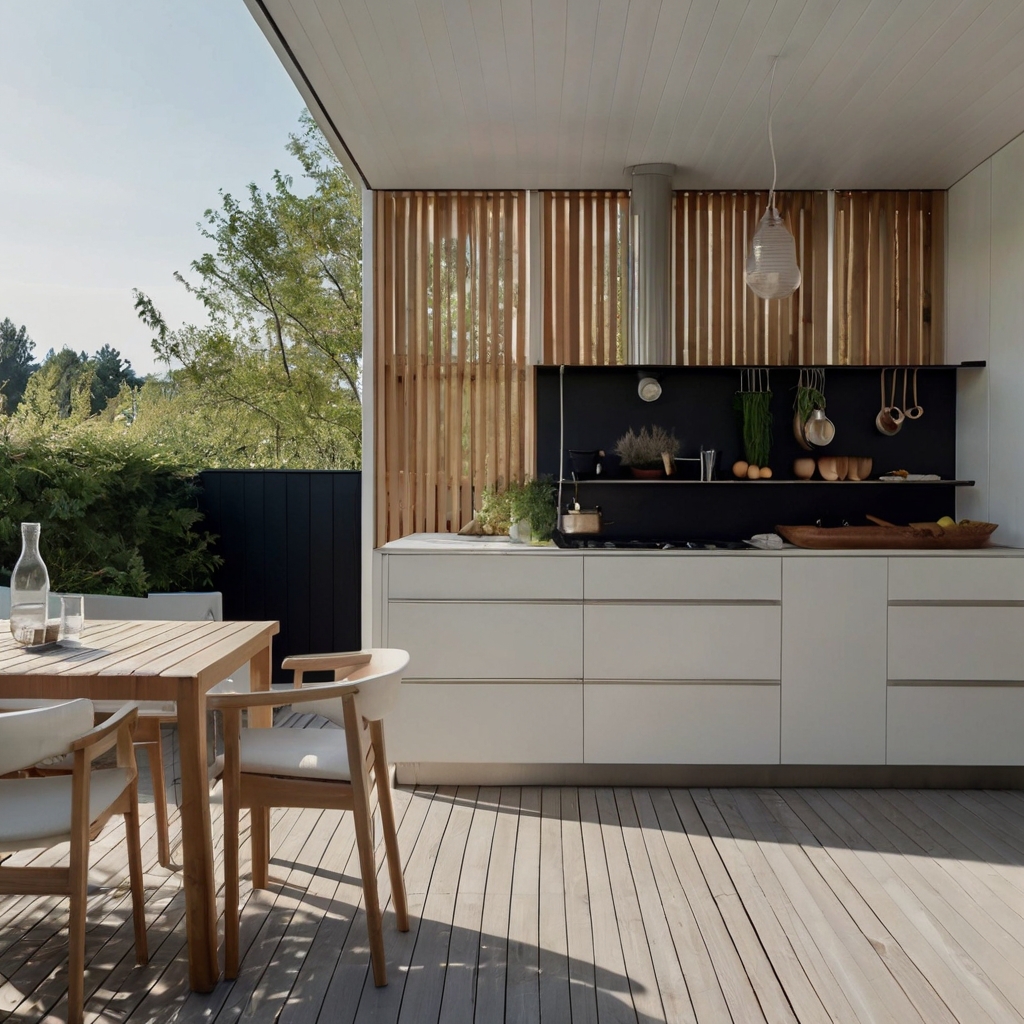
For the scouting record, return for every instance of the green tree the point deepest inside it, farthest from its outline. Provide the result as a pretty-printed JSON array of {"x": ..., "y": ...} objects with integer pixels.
[
  {"x": 283, "y": 288},
  {"x": 60, "y": 390},
  {"x": 16, "y": 364},
  {"x": 110, "y": 373}
]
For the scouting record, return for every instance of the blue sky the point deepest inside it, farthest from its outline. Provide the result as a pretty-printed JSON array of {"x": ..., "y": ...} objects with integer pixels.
[{"x": 119, "y": 122}]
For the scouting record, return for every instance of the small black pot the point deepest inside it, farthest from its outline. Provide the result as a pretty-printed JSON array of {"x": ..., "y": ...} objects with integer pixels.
[{"x": 585, "y": 464}]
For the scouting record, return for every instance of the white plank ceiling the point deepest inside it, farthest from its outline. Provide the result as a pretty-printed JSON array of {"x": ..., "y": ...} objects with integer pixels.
[{"x": 568, "y": 93}]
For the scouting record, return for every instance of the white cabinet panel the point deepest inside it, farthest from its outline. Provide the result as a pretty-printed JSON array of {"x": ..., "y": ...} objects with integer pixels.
[
  {"x": 657, "y": 641},
  {"x": 491, "y": 723},
  {"x": 833, "y": 661},
  {"x": 540, "y": 576},
  {"x": 681, "y": 723},
  {"x": 950, "y": 642},
  {"x": 956, "y": 725},
  {"x": 668, "y": 577},
  {"x": 956, "y": 578},
  {"x": 489, "y": 640}
]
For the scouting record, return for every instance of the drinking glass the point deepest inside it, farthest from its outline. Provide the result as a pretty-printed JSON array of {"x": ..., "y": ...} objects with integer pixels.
[{"x": 72, "y": 618}]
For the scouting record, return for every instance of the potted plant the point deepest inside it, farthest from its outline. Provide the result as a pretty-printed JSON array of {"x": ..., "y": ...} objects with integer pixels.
[
  {"x": 535, "y": 502},
  {"x": 642, "y": 452}
]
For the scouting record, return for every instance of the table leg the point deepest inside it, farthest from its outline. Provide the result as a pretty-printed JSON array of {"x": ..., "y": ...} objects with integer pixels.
[
  {"x": 259, "y": 817},
  {"x": 197, "y": 841}
]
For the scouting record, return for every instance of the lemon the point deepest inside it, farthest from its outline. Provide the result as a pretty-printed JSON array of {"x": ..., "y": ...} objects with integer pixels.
[{"x": 945, "y": 522}]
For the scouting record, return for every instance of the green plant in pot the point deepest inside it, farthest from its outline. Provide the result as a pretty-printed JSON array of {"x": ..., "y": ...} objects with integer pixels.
[
  {"x": 535, "y": 502},
  {"x": 641, "y": 452}
]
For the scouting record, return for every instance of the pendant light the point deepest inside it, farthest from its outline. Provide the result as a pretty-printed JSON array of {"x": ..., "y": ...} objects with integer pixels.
[{"x": 771, "y": 270}]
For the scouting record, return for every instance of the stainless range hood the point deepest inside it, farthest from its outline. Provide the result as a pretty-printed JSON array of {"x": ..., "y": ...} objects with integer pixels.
[{"x": 650, "y": 261}]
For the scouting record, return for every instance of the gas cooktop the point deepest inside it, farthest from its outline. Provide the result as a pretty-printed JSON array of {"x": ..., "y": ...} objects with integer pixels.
[{"x": 598, "y": 542}]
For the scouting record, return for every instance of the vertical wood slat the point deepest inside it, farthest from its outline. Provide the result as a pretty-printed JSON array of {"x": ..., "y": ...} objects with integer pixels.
[
  {"x": 452, "y": 381},
  {"x": 889, "y": 287},
  {"x": 718, "y": 319},
  {"x": 585, "y": 268}
]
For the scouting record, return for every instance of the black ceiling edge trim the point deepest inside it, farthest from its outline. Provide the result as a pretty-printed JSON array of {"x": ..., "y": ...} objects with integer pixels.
[{"x": 309, "y": 85}]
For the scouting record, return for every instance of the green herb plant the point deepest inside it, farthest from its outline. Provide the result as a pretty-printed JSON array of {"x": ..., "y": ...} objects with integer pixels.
[
  {"x": 753, "y": 404},
  {"x": 808, "y": 395},
  {"x": 535, "y": 501},
  {"x": 643, "y": 450}
]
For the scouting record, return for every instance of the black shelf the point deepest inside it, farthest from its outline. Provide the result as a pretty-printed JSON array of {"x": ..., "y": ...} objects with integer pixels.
[{"x": 770, "y": 482}]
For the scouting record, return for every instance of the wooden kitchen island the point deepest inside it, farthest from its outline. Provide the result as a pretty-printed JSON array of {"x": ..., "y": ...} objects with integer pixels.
[{"x": 703, "y": 667}]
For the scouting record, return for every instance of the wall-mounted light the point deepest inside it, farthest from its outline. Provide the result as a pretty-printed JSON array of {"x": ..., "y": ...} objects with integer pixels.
[
  {"x": 771, "y": 270},
  {"x": 649, "y": 389}
]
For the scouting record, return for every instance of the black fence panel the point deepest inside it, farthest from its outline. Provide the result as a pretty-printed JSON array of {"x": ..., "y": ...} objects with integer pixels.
[{"x": 290, "y": 540}]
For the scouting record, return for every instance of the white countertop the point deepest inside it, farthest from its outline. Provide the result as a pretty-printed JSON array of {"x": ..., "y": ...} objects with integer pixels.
[{"x": 452, "y": 543}]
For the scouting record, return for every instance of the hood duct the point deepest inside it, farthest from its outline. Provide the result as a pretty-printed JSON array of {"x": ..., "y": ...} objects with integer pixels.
[{"x": 650, "y": 260}]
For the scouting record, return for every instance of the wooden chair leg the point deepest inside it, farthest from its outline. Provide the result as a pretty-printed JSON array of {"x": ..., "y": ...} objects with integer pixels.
[
  {"x": 260, "y": 833},
  {"x": 231, "y": 784},
  {"x": 371, "y": 900},
  {"x": 155, "y": 753},
  {"x": 387, "y": 820},
  {"x": 131, "y": 828},
  {"x": 79, "y": 882}
]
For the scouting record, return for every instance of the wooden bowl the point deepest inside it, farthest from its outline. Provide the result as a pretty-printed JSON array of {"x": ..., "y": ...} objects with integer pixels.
[
  {"x": 842, "y": 466},
  {"x": 803, "y": 469},
  {"x": 827, "y": 467}
]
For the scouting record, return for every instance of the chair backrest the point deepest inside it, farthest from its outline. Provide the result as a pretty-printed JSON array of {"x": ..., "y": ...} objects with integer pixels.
[
  {"x": 379, "y": 680},
  {"x": 30, "y": 736}
]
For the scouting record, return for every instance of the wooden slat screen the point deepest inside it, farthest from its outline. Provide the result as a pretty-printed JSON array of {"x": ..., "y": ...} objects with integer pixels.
[
  {"x": 889, "y": 277},
  {"x": 586, "y": 261},
  {"x": 718, "y": 320},
  {"x": 453, "y": 407}
]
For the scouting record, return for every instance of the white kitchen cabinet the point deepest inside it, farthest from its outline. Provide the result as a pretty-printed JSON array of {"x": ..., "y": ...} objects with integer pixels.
[
  {"x": 682, "y": 641},
  {"x": 488, "y": 722},
  {"x": 488, "y": 639},
  {"x": 483, "y": 577},
  {"x": 958, "y": 725},
  {"x": 681, "y": 723},
  {"x": 956, "y": 642},
  {"x": 960, "y": 579},
  {"x": 657, "y": 578},
  {"x": 833, "y": 660}
]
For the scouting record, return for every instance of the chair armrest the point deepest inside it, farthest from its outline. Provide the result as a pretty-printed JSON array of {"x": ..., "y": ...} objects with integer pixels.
[
  {"x": 116, "y": 729},
  {"x": 326, "y": 662},
  {"x": 278, "y": 698}
]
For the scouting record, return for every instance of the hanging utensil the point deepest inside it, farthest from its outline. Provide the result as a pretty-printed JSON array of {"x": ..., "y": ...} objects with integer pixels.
[
  {"x": 819, "y": 430},
  {"x": 915, "y": 412},
  {"x": 890, "y": 417}
]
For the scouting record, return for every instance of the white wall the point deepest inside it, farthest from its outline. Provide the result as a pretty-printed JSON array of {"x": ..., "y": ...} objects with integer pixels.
[{"x": 985, "y": 274}]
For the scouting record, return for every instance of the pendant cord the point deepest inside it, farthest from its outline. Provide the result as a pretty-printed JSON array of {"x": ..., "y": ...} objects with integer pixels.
[{"x": 771, "y": 140}]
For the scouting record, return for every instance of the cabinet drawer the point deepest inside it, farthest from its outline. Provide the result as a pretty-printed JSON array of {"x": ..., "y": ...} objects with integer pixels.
[
  {"x": 949, "y": 642},
  {"x": 490, "y": 640},
  {"x": 956, "y": 578},
  {"x": 490, "y": 723},
  {"x": 681, "y": 723},
  {"x": 657, "y": 641},
  {"x": 955, "y": 725},
  {"x": 522, "y": 576},
  {"x": 668, "y": 577}
]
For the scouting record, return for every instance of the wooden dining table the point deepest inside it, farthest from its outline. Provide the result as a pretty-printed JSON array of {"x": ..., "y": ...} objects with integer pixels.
[{"x": 164, "y": 661}]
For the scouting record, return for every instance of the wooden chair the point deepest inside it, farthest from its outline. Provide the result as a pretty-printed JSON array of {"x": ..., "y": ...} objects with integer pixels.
[
  {"x": 154, "y": 715},
  {"x": 40, "y": 811},
  {"x": 321, "y": 768}
]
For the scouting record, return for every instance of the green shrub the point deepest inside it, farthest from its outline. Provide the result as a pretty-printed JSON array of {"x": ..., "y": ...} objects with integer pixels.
[{"x": 117, "y": 517}]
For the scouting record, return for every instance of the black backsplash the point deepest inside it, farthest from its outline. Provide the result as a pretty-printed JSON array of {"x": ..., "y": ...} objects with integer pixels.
[{"x": 601, "y": 403}]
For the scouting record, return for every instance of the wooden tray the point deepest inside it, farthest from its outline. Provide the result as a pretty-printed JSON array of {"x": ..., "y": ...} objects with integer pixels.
[{"x": 887, "y": 536}]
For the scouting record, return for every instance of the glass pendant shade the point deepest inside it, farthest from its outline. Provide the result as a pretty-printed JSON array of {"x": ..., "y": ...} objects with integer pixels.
[{"x": 771, "y": 269}]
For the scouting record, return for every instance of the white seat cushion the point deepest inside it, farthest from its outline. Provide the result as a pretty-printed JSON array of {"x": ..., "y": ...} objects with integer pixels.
[
  {"x": 296, "y": 753},
  {"x": 36, "y": 813}
]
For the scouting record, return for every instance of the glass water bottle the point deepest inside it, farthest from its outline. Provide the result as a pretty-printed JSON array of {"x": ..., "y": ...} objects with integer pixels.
[{"x": 30, "y": 590}]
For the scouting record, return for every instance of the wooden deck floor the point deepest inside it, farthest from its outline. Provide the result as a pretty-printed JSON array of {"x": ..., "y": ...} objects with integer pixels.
[{"x": 585, "y": 905}]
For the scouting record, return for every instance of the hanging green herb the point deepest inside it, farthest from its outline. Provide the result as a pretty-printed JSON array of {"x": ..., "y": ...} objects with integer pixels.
[{"x": 753, "y": 404}]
